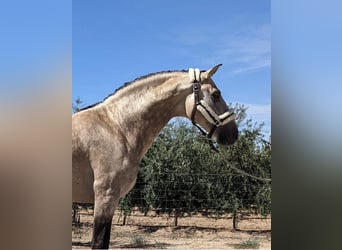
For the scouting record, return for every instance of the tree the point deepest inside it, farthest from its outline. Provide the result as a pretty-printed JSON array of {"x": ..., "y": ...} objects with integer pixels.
[
  {"x": 77, "y": 105},
  {"x": 180, "y": 174}
]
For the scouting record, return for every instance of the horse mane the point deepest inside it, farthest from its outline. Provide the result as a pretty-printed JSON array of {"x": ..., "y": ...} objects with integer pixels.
[{"x": 126, "y": 84}]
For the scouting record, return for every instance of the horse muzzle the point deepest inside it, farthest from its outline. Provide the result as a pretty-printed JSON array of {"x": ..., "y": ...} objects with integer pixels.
[{"x": 227, "y": 134}]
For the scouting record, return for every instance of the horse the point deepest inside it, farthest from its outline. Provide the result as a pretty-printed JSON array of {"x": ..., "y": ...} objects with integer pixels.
[{"x": 110, "y": 138}]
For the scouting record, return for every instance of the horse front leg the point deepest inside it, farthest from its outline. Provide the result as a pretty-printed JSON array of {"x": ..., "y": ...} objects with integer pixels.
[
  {"x": 101, "y": 232},
  {"x": 103, "y": 214}
]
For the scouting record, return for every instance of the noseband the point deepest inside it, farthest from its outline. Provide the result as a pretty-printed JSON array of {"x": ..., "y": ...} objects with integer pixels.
[{"x": 209, "y": 114}]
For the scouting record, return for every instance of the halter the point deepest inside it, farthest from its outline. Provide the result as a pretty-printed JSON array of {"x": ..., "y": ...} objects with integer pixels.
[{"x": 209, "y": 114}]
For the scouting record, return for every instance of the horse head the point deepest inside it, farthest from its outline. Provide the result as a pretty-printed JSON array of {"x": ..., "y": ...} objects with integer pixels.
[{"x": 206, "y": 107}]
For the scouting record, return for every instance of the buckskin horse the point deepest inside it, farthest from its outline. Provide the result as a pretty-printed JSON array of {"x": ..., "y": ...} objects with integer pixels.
[{"x": 110, "y": 138}]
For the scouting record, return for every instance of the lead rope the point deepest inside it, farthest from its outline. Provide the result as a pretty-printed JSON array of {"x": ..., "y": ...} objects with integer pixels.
[{"x": 247, "y": 174}]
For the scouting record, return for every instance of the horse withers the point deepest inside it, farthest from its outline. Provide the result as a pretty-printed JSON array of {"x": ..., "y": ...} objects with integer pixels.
[{"x": 109, "y": 139}]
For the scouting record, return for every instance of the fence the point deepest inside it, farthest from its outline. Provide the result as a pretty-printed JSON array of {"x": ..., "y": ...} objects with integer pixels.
[
  {"x": 240, "y": 221},
  {"x": 182, "y": 195}
]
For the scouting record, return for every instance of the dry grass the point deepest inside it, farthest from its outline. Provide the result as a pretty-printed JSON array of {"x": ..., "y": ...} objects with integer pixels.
[{"x": 196, "y": 232}]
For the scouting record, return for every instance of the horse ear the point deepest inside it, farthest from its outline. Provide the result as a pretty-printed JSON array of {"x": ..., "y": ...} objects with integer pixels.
[{"x": 212, "y": 71}]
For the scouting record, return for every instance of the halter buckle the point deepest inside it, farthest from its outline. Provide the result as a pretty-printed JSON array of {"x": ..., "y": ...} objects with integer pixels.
[{"x": 196, "y": 86}]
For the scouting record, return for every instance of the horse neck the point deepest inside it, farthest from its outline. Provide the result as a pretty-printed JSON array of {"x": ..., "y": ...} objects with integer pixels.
[{"x": 145, "y": 107}]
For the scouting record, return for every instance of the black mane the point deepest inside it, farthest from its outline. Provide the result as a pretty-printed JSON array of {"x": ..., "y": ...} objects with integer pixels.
[{"x": 130, "y": 83}]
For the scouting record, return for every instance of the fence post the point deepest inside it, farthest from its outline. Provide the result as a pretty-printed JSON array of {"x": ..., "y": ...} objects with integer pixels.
[
  {"x": 235, "y": 220},
  {"x": 176, "y": 218},
  {"x": 124, "y": 220},
  {"x": 76, "y": 220}
]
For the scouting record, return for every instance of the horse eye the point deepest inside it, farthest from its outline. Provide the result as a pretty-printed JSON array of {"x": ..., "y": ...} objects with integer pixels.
[{"x": 216, "y": 95}]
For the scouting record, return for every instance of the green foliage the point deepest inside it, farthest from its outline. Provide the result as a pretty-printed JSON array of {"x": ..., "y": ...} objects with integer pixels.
[
  {"x": 248, "y": 244},
  {"x": 137, "y": 242},
  {"x": 77, "y": 105},
  {"x": 125, "y": 204},
  {"x": 180, "y": 174}
]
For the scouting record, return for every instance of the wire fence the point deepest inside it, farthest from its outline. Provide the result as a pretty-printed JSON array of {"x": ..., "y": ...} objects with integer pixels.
[
  {"x": 188, "y": 196},
  {"x": 240, "y": 221}
]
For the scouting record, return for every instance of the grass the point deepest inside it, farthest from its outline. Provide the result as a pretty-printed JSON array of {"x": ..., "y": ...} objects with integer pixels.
[
  {"x": 248, "y": 244},
  {"x": 138, "y": 241}
]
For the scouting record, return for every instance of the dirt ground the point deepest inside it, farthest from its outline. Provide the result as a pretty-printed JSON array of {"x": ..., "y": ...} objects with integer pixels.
[{"x": 196, "y": 232}]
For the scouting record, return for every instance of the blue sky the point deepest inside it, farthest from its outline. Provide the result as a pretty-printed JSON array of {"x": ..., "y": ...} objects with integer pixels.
[
  {"x": 114, "y": 42},
  {"x": 35, "y": 37}
]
